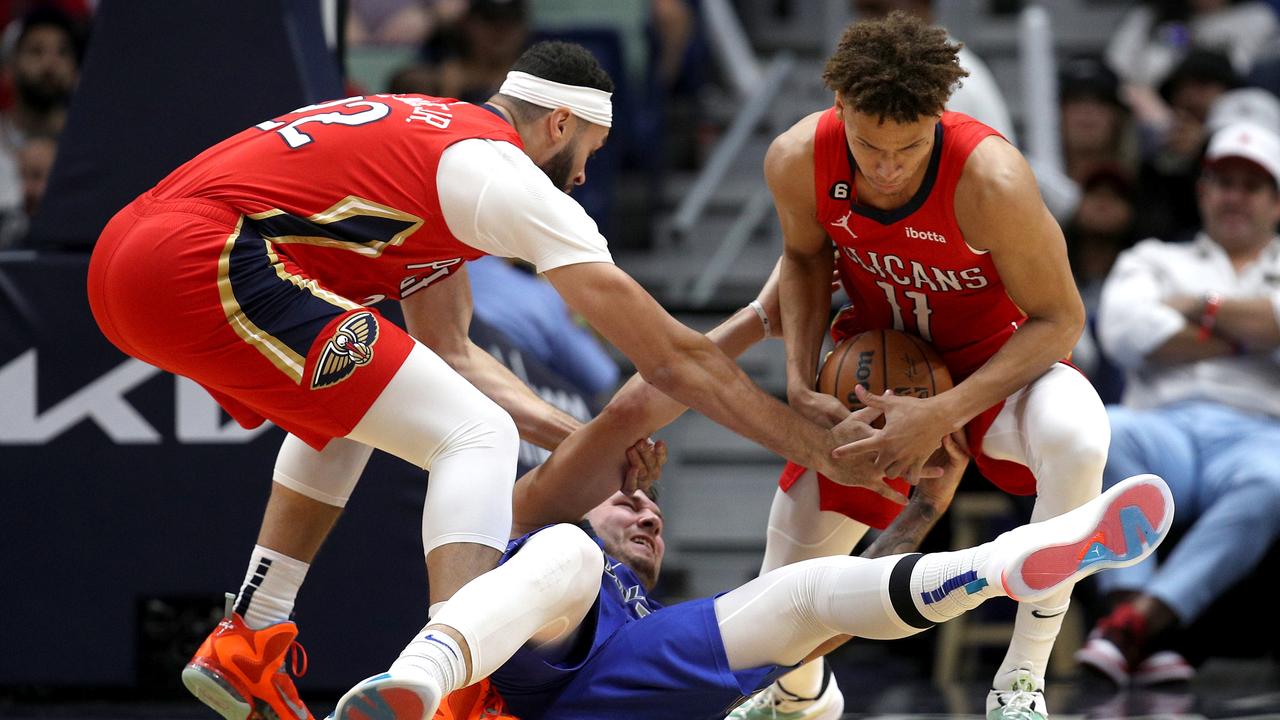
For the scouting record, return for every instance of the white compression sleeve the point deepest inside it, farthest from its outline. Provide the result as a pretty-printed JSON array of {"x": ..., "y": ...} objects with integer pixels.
[
  {"x": 1057, "y": 427},
  {"x": 806, "y": 604},
  {"x": 432, "y": 417},
  {"x": 540, "y": 596},
  {"x": 798, "y": 530},
  {"x": 328, "y": 476}
]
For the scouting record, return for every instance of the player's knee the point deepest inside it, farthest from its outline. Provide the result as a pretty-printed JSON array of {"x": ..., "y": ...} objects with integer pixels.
[
  {"x": 1074, "y": 448},
  {"x": 580, "y": 558},
  {"x": 501, "y": 427}
]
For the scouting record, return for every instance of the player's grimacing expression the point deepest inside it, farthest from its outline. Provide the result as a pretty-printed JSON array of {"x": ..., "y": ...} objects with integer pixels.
[
  {"x": 892, "y": 157},
  {"x": 631, "y": 528}
]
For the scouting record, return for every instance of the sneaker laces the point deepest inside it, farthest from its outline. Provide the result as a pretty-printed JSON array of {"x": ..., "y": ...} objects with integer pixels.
[
  {"x": 1020, "y": 703},
  {"x": 765, "y": 699}
]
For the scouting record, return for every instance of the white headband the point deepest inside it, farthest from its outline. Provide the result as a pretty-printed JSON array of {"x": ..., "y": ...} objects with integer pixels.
[{"x": 587, "y": 103}]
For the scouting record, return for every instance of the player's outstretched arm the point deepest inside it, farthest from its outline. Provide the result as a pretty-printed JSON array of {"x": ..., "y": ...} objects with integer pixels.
[
  {"x": 805, "y": 271},
  {"x": 439, "y": 316},
  {"x": 691, "y": 369},
  {"x": 584, "y": 470}
]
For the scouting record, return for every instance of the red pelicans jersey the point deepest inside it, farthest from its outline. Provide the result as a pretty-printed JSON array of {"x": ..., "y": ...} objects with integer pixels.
[
  {"x": 345, "y": 191},
  {"x": 910, "y": 269}
]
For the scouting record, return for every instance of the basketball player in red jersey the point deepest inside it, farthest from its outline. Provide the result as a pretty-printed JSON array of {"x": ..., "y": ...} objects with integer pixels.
[
  {"x": 939, "y": 230},
  {"x": 249, "y": 269}
]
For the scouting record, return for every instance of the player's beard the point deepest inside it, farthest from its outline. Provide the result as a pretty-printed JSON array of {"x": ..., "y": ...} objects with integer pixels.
[
  {"x": 644, "y": 566},
  {"x": 560, "y": 169}
]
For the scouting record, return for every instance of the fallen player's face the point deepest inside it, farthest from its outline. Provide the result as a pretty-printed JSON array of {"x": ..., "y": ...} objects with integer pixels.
[{"x": 631, "y": 528}]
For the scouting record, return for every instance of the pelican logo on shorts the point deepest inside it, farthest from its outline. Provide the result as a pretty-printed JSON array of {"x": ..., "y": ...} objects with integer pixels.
[
  {"x": 350, "y": 347},
  {"x": 839, "y": 191}
]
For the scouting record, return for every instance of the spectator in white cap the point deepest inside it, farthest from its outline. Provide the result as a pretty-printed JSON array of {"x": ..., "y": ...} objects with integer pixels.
[{"x": 1195, "y": 326}]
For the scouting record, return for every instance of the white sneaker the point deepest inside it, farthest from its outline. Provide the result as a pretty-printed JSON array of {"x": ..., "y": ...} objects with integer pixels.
[
  {"x": 775, "y": 703},
  {"x": 1103, "y": 657},
  {"x": 1163, "y": 666},
  {"x": 390, "y": 697},
  {"x": 1120, "y": 527},
  {"x": 1020, "y": 696}
]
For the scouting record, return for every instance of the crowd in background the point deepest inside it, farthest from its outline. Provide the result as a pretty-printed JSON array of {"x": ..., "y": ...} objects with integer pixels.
[
  {"x": 1135, "y": 121},
  {"x": 41, "y": 46}
]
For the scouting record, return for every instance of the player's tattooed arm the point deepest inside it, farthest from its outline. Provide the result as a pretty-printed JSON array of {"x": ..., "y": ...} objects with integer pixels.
[
  {"x": 439, "y": 316},
  {"x": 929, "y": 501}
]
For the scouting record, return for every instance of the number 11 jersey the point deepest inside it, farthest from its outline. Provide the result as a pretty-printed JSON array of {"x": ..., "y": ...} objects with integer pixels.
[{"x": 910, "y": 268}]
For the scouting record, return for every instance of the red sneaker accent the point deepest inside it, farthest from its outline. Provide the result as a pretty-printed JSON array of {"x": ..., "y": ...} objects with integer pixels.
[
  {"x": 239, "y": 660},
  {"x": 1050, "y": 565}
]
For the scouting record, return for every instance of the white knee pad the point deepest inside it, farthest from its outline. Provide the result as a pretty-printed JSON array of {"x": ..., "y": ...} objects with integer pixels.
[
  {"x": 432, "y": 417},
  {"x": 1057, "y": 427},
  {"x": 328, "y": 476},
  {"x": 798, "y": 530},
  {"x": 540, "y": 595}
]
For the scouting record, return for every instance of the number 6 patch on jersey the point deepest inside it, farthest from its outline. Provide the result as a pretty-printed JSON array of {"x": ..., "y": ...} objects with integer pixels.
[{"x": 351, "y": 347}]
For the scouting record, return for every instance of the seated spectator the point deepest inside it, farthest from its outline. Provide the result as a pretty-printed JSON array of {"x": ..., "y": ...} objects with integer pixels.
[
  {"x": 42, "y": 64},
  {"x": 1102, "y": 226},
  {"x": 531, "y": 314},
  {"x": 1195, "y": 327},
  {"x": 1172, "y": 126},
  {"x": 35, "y": 162},
  {"x": 1248, "y": 104},
  {"x": 655, "y": 34},
  {"x": 399, "y": 22},
  {"x": 1095, "y": 124},
  {"x": 1157, "y": 34},
  {"x": 471, "y": 59}
]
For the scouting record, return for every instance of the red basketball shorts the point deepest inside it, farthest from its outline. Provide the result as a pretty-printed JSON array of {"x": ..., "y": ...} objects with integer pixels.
[
  {"x": 190, "y": 287},
  {"x": 875, "y": 511}
]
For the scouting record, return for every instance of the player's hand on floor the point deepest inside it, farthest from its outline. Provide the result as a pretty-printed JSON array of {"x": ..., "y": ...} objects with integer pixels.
[
  {"x": 819, "y": 408},
  {"x": 644, "y": 465},
  {"x": 913, "y": 430}
]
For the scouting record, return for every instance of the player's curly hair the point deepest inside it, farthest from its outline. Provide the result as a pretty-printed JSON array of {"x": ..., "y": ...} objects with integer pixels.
[{"x": 898, "y": 68}]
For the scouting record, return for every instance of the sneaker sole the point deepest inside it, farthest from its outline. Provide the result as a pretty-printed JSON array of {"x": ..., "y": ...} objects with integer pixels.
[
  {"x": 213, "y": 690},
  {"x": 385, "y": 698},
  {"x": 1118, "y": 529}
]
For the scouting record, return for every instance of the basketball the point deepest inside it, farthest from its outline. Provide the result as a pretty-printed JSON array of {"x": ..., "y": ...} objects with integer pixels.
[{"x": 880, "y": 360}]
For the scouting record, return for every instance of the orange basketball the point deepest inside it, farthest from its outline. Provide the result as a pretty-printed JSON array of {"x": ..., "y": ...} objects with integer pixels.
[{"x": 880, "y": 359}]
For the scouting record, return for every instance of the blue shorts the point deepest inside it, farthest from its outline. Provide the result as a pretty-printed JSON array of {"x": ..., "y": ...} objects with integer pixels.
[{"x": 668, "y": 665}]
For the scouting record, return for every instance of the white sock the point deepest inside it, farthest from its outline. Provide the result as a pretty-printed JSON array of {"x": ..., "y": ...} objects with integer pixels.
[
  {"x": 805, "y": 681},
  {"x": 949, "y": 584},
  {"x": 1034, "y": 633},
  {"x": 437, "y": 655},
  {"x": 270, "y": 587}
]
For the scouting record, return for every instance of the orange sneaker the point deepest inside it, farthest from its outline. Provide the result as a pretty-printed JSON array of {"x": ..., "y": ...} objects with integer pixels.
[{"x": 240, "y": 672}]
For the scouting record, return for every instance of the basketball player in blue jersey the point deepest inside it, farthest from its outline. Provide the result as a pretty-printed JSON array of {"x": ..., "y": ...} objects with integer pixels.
[{"x": 566, "y": 631}]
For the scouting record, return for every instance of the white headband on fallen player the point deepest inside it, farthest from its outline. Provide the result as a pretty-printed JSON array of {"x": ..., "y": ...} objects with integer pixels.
[{"x": 590, "y": 104}]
